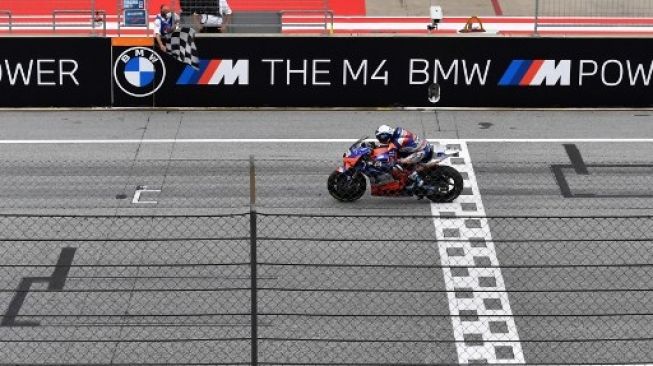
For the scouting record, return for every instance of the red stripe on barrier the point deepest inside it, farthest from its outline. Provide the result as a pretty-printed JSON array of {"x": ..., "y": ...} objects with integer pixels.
[
  {"x": 532, "y": 71},
  {"x": 79, "y": 30},
  {"x": 596, "y": 21},
  {"x": 490, "y": 20},
  {"x": 588, "y": 33},
  {"x": 317, "y": 19},
  {"x": 505, "y": 33},
  {"x": 58, "y": 32},
  {"x": 208, "y": 73},
  {"x": 370, "y": 31}
]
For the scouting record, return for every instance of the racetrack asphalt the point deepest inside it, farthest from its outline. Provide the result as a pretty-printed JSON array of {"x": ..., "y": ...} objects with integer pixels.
[{"x": 372, "y": 289}]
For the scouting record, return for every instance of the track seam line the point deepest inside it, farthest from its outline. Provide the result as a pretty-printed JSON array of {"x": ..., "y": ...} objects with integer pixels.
[{"x": 481, "y": 338}]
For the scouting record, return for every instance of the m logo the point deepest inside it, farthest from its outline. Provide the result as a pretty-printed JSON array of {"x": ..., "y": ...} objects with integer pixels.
[
  {"x": 537, "y": 73},
  {"x": 215, "y": 72},
  {"x": 139, "y": 72}
]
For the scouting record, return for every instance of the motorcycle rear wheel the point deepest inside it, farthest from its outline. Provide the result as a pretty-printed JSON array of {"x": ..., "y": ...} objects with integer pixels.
[
  {"x": 345, "y": 188},
  {"x": 448, "y": 181}
]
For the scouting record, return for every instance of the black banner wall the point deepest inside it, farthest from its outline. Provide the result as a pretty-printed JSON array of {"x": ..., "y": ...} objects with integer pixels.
[
  {"x": 394, "y": 71},
  {"x": 55, "y": 72},
  {"x": 331, "y": 72}
]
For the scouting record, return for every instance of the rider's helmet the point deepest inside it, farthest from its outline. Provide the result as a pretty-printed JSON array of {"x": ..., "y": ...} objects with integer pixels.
[{"x": 384, "y": 133}]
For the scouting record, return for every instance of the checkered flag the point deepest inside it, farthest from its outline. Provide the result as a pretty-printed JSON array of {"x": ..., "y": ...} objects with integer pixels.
[{"x": 181, "y": 45}]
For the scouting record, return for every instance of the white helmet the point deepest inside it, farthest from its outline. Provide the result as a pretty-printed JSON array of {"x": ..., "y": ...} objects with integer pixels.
[{"x": 384, "y": 133}]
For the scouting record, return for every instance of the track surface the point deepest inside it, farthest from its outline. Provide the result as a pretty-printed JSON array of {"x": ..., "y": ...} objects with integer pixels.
[{"x": 413, "y": 326}]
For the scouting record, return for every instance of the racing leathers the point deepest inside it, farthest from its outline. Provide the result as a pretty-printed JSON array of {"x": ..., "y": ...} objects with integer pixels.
[{"x": 410, "y": 149}]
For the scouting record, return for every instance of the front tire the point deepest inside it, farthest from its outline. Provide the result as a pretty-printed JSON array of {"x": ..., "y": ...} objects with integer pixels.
[
  {"x": 448, "y": 182},
  {"x": 345, "y": 188}
]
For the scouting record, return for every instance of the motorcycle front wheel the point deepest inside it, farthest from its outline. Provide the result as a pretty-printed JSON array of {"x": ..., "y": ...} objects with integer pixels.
[
  {"x": 346, "y": 188},
  {"x": 448, "y": 184}
]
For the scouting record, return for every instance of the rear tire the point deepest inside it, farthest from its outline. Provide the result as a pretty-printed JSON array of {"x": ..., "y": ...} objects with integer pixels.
[
  {"x": 448, "y": 181},
  {"x": 345, "y": 190}
]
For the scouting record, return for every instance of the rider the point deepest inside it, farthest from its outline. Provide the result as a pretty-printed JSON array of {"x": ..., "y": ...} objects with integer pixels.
[{"x": 409, "y": 148}]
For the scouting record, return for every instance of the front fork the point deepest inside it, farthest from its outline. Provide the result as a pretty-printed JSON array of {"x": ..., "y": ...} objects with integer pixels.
[{"x": 347, "y": 172}]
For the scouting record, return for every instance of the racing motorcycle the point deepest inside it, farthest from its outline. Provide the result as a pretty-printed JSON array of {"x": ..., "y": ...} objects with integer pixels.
[{"x": 364, "y": 159}]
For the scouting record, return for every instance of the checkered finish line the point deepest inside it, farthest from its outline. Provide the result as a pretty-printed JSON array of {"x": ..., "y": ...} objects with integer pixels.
[{"x": 483, "y": 325}]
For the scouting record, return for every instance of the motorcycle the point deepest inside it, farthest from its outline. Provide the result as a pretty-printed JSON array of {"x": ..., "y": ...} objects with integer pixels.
[{"x": 348, "y": 183}]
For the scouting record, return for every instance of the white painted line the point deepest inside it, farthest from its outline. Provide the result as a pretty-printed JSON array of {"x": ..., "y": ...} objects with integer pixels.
[
  {"x": 144, "y": 189},
  {"x": 263, "y": 141},
  {"x": 560, "y": 140},
  {"x": 478, "y": 301}
]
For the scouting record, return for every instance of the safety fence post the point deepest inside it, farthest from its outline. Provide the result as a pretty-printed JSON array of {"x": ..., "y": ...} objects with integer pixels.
[
  {"x": 537, "y": 17},
  {"x": 253, "y": 260},
  {"x": 93, "y": 17}
]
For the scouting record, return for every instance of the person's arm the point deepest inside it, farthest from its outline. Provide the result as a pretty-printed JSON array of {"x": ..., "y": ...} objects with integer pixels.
[
  {"x": 157, "y": 34},
  {"x": 159, "y": 42},
  {"x": 176, "y": 21},
  {"x": 411, "y": 159}
]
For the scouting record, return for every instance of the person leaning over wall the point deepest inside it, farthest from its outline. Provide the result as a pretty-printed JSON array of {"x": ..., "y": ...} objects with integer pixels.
[
  {"x": 216, "y": 19},
  {"x": 165, "y": 23}
]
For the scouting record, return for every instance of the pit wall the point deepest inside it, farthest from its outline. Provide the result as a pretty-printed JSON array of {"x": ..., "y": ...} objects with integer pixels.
[{"x": 329, "y": 72}]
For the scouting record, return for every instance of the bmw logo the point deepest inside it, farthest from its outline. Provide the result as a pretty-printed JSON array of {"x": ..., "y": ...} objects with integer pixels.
[{"x": 139, "y": 72}]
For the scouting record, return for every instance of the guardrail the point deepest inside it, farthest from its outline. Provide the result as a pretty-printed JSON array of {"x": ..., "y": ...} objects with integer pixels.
[
  {"x": 211, "y": 6},
  {"x": 95, "y": 16},
  {"x": 592, "y": 13},
  {"x": 328, "y": 18}
]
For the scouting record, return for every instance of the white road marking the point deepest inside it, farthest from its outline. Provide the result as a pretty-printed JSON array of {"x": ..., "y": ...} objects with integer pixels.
[
  {"x": 221, "y": 141},
  {"x": 144, "y": 189},
  {"x": 483, "y": 324}
]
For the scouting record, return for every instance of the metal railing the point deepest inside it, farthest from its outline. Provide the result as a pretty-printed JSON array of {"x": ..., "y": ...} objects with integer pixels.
[
  {"x": 258, "y": 288},
  {"x": 61, "y": 16},
  {"x": 270, "y": 284},
  {"x": 593, "y": 13},
  {"x": 95, "y": 16},
  {"x": 211, "y": 6},
  {"x": 328, "y": 18},
  {"x": 7, "y": 14},
  {"x": 287, "y": 8}
]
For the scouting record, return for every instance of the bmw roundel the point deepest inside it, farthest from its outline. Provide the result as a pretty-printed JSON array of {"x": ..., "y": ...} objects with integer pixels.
[{"x": 139, "y": 71}]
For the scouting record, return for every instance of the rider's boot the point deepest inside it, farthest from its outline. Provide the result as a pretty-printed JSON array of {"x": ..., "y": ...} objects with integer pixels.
[{"x": 416, "y": 183}]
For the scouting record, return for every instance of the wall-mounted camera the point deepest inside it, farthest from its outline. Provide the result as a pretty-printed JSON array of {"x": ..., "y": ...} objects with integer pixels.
[
  {"x": 434, "y": 93},
  {"x": 436, "y": 17}
]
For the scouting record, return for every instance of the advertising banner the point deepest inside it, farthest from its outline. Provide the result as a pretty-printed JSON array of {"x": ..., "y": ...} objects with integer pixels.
[
  {"x": 55, "y": 72},
  {"x": 391, "y": 72}
]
